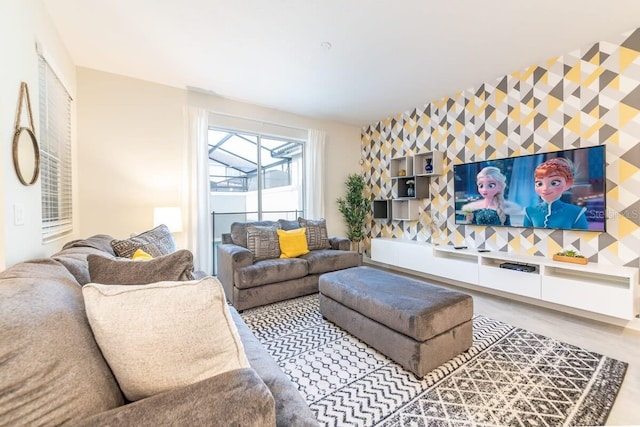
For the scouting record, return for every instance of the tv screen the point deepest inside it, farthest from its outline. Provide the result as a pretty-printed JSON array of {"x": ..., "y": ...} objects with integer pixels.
[{"x": 559, "y": 190}]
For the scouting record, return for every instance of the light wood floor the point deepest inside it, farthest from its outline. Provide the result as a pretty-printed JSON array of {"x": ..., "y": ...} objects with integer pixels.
[{"x": 612, "y": 341}]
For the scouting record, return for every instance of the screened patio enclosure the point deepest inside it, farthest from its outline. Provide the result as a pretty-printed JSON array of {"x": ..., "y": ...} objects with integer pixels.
[{"x": 236, "y": 159}]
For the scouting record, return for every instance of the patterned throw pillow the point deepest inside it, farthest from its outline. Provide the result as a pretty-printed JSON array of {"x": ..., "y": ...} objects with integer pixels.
[
  {"x": 317, "y": 237},
  {"x": 155, "y": 242},
  {"x": 263, "y": 242}
]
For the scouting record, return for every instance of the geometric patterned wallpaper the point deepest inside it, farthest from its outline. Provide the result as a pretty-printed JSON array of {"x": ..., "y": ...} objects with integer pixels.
[{"x": 587, "y": 97}]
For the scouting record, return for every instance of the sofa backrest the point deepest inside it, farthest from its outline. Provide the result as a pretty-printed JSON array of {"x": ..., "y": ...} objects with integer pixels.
[
  {"x": 239, "y": 231},
  {"x": 74, "y": 255},
  {"x": 51, "y": 367}
]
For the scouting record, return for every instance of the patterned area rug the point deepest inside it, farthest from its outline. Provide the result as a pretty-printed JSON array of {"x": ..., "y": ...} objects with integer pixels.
[{"x": 508, "y": 377}]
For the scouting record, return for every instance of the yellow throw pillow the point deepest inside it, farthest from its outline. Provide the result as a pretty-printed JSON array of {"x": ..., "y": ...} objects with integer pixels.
[
  {"x": 293, "y": 243},
  {"x": 140, "y": 255}
]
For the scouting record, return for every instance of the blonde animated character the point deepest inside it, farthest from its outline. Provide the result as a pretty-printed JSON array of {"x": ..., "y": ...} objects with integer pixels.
[{"x": 492, "y": 209}]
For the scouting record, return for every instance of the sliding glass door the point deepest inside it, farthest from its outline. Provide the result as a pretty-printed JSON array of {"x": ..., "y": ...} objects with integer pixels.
[{"x": 254, "y": 177}]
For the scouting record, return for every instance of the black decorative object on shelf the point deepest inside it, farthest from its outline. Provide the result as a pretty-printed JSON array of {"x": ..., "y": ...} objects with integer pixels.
[{"x": 428, "y": 167}]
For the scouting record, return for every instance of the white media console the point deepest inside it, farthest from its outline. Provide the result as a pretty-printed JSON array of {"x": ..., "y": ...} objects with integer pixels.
[{"x": 604, "y": 289}]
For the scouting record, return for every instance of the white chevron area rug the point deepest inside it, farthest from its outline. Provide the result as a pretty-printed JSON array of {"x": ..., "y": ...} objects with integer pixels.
[{"x": 508, "y": 377}]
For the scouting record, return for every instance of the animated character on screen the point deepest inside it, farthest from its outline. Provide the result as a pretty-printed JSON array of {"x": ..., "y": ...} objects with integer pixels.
[
  {"x": 552, "y": 178},
  {"x": 492, "y": 209}
]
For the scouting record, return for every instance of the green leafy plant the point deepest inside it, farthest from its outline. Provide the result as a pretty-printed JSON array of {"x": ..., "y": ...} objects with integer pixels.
[
  {"x": 354, "y": 207},
  {"x": 570, "y": 253}
]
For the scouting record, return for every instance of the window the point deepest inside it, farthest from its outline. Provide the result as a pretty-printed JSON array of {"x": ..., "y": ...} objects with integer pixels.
[
  {"x": 55, "y": 154},
  {"x": 254, "y": 177}
]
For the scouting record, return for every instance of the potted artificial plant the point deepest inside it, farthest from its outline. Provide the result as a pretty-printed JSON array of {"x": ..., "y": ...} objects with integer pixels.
[
  {"x": 569, "y": 255},
  {"x": 354, "y": 208}
]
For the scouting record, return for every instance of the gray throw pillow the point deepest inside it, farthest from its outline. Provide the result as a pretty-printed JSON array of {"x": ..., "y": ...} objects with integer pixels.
[
  {"x": 177, "y": 266},
  {"x": 263, "y": 242},
  {"x": 317, "y": 237},
  {"x": 287, "y": 224},
  {"x": 155, "y": 242}
]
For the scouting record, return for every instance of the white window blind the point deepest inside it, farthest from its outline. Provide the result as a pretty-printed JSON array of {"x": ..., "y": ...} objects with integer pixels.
[{"x": 55, "y": 154}]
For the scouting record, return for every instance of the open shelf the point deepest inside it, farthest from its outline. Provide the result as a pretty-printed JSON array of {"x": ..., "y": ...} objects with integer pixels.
[
  {"x": 405, "y": 210},
  {"x": 420, "y": 187},
  {"x": 433, "y": 158},
  {"x": 399, "y": 164},
  {"x": 382, "y": 209}
]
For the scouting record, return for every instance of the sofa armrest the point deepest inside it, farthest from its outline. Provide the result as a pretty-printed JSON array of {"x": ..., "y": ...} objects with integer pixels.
[
  {"x": 204, "y": 403},
  {"x": 230, "y": 258},
  {"x": 340, "y": 243}
]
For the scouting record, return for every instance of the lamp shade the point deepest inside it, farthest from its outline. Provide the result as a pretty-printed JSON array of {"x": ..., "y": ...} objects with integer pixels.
[{"x": 170, "y": 216}]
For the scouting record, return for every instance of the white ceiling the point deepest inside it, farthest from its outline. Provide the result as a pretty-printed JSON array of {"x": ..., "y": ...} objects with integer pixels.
[{"x": 387, "y": 56}]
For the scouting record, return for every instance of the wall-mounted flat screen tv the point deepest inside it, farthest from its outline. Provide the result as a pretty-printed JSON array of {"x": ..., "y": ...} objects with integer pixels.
[{"x": 559, "y": 190}]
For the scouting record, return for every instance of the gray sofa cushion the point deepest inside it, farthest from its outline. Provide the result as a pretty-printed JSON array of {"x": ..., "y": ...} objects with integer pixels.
[
  {"x": 177, "y": 266},
  {"x": 205, "y": 403},
  {"x": 323, "y": 261},
  {"x": 75, "y": 260},
  {"x": 74, "y": 255},
  {"x": 270, "y": 271},
  {"x": 52, "y": 370},
  {"x": 101, "y": 242},
  {"x": 239, "y": 231}
]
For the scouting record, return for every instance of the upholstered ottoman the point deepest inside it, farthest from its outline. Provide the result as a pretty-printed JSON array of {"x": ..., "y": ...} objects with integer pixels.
[{"x": 418, "y": 325}]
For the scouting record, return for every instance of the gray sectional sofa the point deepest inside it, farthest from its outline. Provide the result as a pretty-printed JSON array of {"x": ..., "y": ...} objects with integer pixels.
[
  {"x": 249, "y": 282},
  {"x": 52, "y": 371}
]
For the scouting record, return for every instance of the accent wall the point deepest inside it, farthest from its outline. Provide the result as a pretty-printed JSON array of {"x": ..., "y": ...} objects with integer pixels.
[{"x": 587, "y": 97}]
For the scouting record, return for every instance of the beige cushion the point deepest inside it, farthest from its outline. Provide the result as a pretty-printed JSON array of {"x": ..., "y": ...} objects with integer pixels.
[
  {"x": 155, "y": 242},
  {"x": 263, "y": 242},
  {"x": 317, "y": 236},
  {"x": 161, "y": 336},
  {"x": 123, "y": 271}
]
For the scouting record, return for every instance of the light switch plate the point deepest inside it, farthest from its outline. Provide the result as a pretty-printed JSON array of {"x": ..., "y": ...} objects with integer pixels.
[{"x": 18, "y": 214}]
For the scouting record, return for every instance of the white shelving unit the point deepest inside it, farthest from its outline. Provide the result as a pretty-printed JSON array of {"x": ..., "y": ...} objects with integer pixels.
[
  {"x": 604, "y": 289},
  {"x": 411, "y": 168}
]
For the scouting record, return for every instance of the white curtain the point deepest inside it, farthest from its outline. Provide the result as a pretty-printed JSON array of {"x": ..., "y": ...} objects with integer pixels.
[
  {"x": 197, "y": 192},
  {"x": 314, "y": 165}
]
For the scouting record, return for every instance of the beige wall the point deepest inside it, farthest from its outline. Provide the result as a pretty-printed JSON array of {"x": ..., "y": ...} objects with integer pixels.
[
  {"x": 132, "y": 141},
  {"x": 22, "y": 24}
]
